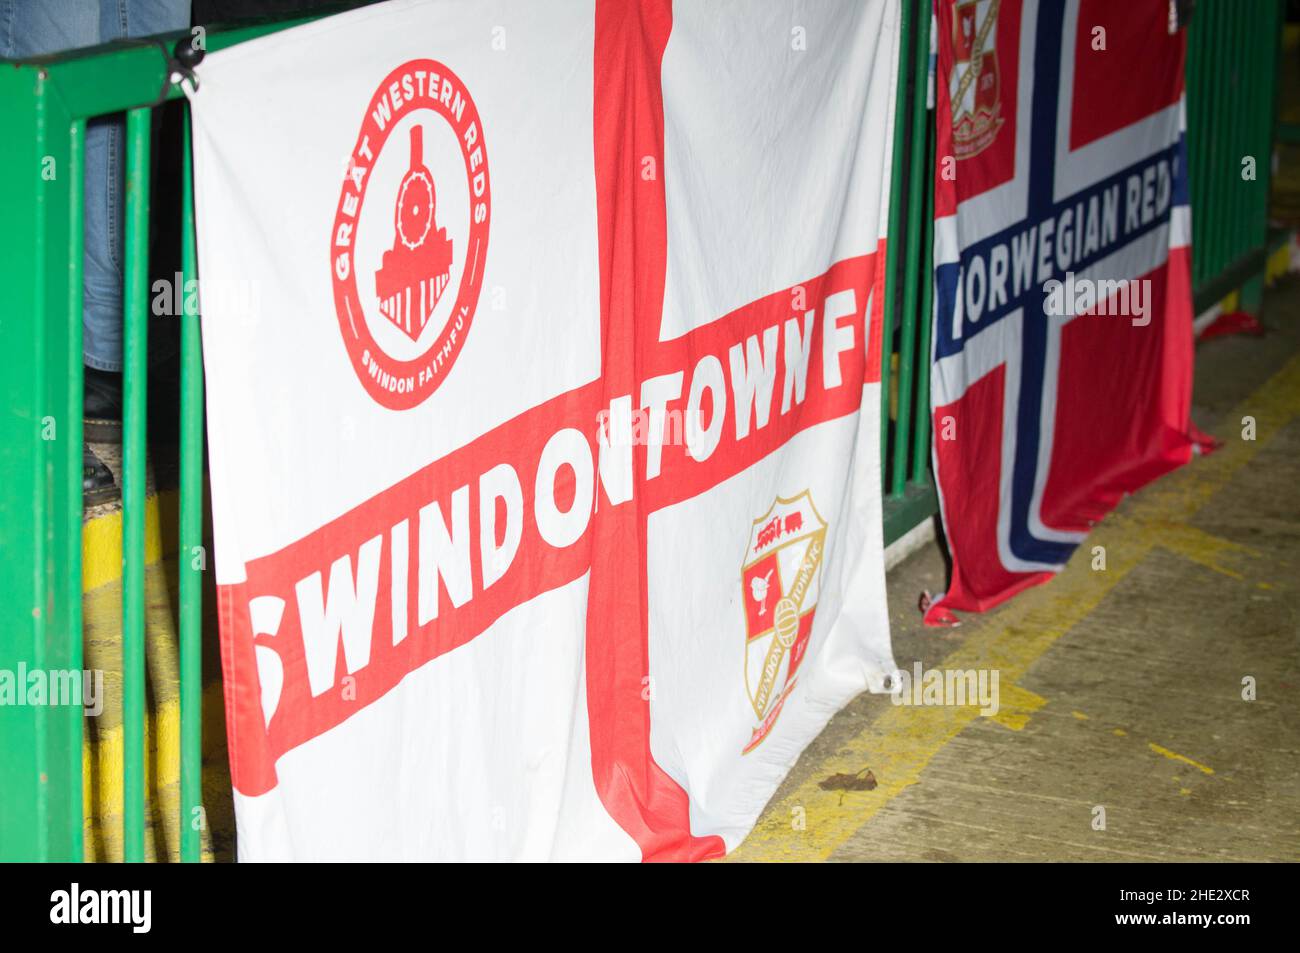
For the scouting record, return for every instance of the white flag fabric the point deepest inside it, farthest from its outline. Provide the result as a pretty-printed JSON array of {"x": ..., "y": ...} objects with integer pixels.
[{"x": 542, "y": 346}]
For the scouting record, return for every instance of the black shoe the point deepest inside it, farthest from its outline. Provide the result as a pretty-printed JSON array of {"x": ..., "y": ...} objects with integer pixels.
[
  {"x": 97, "y": 483},
  {"x": 102, "y": 410}
]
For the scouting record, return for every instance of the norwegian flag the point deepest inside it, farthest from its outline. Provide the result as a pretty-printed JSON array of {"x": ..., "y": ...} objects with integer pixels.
[{"x": 1062, "y": 347}]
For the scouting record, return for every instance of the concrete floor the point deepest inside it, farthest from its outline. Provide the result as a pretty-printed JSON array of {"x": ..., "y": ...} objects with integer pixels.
[{"x": 1120, "y": 689}]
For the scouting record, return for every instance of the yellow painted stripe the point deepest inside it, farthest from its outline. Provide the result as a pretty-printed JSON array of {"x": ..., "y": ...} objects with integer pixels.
[
  {"x": 102, "y": 769},
  {"x": 1212, "y": 552},
  {"x": 1175, "y": 756},
  {"x": 1279, "y": 263},
  {"x": 811, "y": 824},
  {"x": 101, "y": 542},
  {"x": 103, "y": 761},
  {"x": 1015, "y": 706}
]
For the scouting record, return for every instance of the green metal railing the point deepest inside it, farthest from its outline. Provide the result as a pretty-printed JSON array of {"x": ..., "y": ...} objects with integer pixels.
[
  {"x": 44, "y": 107},
  {"x": 1232, "y": 61},
  {"x": 909, "y": 496}
]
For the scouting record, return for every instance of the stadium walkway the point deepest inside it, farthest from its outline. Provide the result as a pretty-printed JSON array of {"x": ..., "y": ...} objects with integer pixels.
[{"x": 1120, "y": 689}]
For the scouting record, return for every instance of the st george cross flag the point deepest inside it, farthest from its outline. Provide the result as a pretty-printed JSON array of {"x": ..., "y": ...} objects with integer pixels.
[
  {"x": 542, "y": 352},
  {"x": 1062, "y": 347}
]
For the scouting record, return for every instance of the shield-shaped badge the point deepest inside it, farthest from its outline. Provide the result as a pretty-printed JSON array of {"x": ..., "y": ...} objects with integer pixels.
[
  {"x": 975, "y": 85},
  {"x": 780, "y": 582}
]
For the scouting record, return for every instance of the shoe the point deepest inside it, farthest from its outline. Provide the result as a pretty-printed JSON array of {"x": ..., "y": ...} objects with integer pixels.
[
  {"x": 102, "y": 407},
  {"x": 97, "y": 483}
]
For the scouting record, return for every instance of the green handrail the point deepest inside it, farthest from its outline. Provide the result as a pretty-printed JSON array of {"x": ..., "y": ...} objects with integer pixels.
[{"x": 44, "y": 107}]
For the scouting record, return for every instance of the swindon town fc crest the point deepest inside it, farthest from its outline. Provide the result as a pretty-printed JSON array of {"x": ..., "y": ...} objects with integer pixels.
[
  {"x": 780, "y": 583},
  {"x": 410, "y": 233},
  {"x": 975, "y": 85}
]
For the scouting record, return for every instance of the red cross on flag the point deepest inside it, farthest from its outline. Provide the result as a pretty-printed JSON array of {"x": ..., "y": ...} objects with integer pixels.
[{"x": 542, "y": 347}]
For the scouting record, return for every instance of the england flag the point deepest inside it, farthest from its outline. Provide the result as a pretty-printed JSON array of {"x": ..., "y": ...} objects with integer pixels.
[{"x": 544, "y": 448}]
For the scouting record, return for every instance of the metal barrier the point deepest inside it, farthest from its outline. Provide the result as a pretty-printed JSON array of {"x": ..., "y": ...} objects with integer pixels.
[
  {"x": 909, "y": 495},
  {"x": 44, "y": 107},
  {"x": 1232, "y": 63}
]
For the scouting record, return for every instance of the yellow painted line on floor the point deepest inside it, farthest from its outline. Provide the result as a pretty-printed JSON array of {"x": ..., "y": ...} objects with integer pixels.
[
  {"x": 1175, "y": 756},
  {"x": 1205, "y": 549},
  {"x": 101, "y": 542},
  {"x": 102, "y": 767},
  {"x": 162, "y": 734},
  {"x": 103, "y": 758},
  {"x": 1278, "y": 264},
  {"x": 811, "y": 824},
  {"x": 1015, "y": 706}
]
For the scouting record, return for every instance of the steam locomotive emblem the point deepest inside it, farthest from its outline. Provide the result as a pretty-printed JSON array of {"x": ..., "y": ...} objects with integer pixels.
[{"x": 416, "y": 270}]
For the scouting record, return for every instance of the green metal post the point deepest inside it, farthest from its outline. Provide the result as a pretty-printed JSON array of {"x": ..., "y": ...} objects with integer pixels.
[
  {"x": 191, "y": 557},
  {"x": 1229, "y": 177},
  {"x": 1239, "y": 227},
  {"x": 1214, "y": 138},
  {"x": 921, "y": 437},
  {"x": 1196, "y": 118},
  {"x": 1217, "y": 142},
  {"x": 136, "y": 321},
  {"x": 73, "y": 729},
  {"x": 40, "y": 466},
  {"x": 893, "y": 247},
  {"x": 916, "y": 190}
]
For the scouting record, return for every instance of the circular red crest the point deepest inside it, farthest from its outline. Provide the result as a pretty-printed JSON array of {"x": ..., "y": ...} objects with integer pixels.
[{"x": 421, "y": 269}]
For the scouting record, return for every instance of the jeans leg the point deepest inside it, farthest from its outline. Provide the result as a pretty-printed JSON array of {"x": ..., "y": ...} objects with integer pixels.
[
  {"x": 147, "y": 17},
  {"x": 104, "y": 185},
  {"x": 37, "y": 27},
  {"x": 102, "y": 315},
  {"x": 102, "y": 272}
]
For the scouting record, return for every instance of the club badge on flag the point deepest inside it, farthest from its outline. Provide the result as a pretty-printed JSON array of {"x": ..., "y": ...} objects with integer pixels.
[
  {"x": 781, "y": 582},
  {"x": 422, "y": 97},
  {"x": 569, "y": 313},
  {"x": 976, "y": 103}
]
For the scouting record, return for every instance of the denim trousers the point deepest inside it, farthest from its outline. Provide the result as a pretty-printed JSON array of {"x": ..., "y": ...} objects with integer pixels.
[{"x": 37, "y": 27}]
